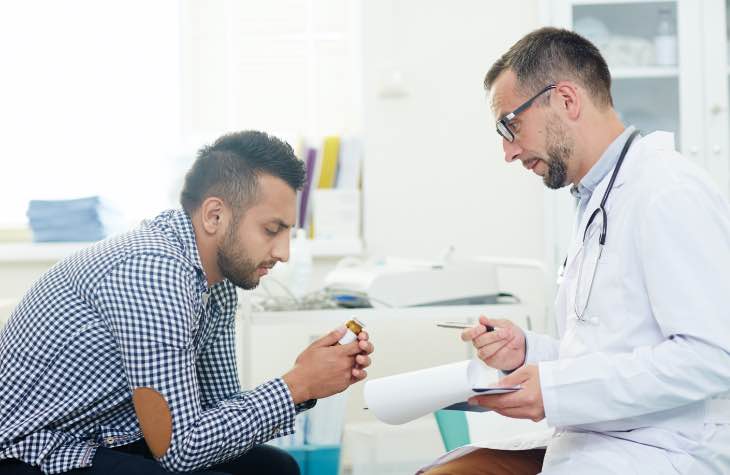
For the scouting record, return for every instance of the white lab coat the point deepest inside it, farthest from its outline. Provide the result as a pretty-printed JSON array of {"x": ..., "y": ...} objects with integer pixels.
[{"x": 643, "y": 385}]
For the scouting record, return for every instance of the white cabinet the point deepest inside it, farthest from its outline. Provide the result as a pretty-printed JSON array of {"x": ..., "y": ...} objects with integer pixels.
[{"x": 670, "y": 67}]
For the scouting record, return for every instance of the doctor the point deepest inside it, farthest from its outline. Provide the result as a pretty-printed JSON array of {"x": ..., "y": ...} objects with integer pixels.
[{"x": 638, "y": 381}]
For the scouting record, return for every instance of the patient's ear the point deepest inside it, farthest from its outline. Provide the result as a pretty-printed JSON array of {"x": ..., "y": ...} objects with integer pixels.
[{"x": 154, "y": 419}]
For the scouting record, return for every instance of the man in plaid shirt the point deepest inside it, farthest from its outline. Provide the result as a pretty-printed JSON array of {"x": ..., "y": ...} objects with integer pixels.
[{"x": 121, "y": 358}]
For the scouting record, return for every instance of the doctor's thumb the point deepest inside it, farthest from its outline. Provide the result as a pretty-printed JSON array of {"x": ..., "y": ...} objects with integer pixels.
[
  {"x": 488, "y": 322},
  {"x": 518, "y": 376},
  {"x": 492, "y": 323},
  {"x": 483, "y": 319}
]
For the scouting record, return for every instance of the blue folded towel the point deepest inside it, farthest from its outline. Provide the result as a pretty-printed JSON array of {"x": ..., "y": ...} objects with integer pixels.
[{"x": 82, "y": 219}]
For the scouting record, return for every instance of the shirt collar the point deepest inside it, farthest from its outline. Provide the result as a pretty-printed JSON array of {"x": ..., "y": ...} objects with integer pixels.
[
  {"x": 223, "y": 292},
  {"x": 605, "y": 164},
  {"x": 183, "y": 227}
]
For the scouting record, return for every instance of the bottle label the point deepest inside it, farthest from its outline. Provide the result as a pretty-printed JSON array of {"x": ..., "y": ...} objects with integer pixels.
[{"x": 348, "y": 337}]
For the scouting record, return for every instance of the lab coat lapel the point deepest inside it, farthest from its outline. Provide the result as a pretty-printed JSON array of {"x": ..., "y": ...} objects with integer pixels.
[
  {"x": 655, "y": 140},
  {"x": 652, "y": 143}
]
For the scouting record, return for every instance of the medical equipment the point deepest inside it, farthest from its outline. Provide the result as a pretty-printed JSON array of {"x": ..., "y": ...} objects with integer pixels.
[
  {"x": 404, "y": 283},
  {"x": 600, "y": 211},
  {"x": 394, "y": 282}
]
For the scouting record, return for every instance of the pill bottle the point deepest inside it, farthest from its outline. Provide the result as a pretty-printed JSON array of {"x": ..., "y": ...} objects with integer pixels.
[{"x": 354, "y": 327}]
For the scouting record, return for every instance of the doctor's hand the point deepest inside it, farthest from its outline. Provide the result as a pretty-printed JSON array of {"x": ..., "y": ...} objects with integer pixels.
[
  {"x": 525, "y": 403},
  {"x": 503, "y": 348}
]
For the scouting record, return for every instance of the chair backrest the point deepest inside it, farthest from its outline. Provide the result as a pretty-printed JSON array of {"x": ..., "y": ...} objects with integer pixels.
[{"x": 453, "y": 427}]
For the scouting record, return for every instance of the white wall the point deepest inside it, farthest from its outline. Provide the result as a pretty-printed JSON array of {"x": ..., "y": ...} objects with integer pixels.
[
  {"x": 434, "y": 171},
  {"x": 434, "y": 174}
]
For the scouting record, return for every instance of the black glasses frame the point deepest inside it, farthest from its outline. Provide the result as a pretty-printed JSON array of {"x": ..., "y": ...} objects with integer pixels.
[{"x": 503, "y": 124}]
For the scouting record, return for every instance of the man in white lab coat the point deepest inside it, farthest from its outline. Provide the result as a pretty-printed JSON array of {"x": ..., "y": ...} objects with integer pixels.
[{"x": 639, "y": 380}]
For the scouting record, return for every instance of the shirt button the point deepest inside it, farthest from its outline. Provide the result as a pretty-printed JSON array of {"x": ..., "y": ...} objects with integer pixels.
[{"x": 110, "y": 440}]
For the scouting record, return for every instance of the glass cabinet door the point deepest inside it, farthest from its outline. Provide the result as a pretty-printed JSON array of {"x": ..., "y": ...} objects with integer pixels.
[
  {"x": 670, "y": 65},
  {"x": 725, "y": 144},
  {"x": 640, "y": 43},
  {"x": 716, "y": 69}
]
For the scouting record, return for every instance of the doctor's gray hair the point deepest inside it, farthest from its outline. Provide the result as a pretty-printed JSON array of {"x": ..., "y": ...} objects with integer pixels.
[
  {"x": 229, "y": 169},
  {"x": 550, "y": 55}
]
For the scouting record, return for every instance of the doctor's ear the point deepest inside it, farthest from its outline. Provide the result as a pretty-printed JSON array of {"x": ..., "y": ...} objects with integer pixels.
[
  {"x": 569, "y": 98},
  {"x": 213, "y": 215}
]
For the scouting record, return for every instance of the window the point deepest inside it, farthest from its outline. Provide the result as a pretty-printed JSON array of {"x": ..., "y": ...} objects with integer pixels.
[
  {"x": 290, "y": 67},
  {"x": 114, "y": 98},
  {"x": 90, "y": 102}
]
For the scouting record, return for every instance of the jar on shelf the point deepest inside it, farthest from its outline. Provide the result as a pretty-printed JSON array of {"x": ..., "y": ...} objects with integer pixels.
[{"x": 665, "y": 40}]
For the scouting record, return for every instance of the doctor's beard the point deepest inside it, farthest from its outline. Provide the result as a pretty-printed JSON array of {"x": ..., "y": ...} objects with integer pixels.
[{"x": 559, "y": 151}]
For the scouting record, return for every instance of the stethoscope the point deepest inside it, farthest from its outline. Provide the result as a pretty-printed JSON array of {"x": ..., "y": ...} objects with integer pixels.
[{"x": 600, "y": 211}]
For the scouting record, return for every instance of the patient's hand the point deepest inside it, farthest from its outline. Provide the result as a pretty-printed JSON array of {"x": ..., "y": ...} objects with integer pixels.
[
  {"x": 326, "y": 368},
  {"x": 503, "y": 348},
  {"x": 362, "y": 360}
]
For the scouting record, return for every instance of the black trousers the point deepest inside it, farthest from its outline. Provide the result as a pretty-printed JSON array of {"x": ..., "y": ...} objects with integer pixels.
[{"x": 136, "y": 459}]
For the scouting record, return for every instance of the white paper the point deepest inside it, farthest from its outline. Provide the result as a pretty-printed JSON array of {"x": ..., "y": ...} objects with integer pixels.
[
  {"x": 404, "y": 397},
  {"x": 348, "y": 170}
]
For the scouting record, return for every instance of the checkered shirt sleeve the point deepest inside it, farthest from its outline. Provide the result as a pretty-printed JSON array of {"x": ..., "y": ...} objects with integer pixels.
[
  {"x": 217, "y": 371},
  {"x": 149, "y": 306}
]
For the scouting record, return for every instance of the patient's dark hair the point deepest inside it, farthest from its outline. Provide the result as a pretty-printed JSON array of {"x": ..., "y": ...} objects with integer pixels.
[
  {"x": 549, "y": 55},
  {"x": 230, "y": 168}
]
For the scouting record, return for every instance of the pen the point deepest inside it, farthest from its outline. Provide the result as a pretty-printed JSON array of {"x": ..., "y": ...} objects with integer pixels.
[{"x": 459, "y": 325}]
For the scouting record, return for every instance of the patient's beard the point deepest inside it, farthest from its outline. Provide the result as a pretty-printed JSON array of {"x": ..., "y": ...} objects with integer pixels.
[{"x": 234, "y": 263}]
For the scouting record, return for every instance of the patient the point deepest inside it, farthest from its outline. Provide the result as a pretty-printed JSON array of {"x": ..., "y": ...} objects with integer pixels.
[{"x": 121, "y": 358}]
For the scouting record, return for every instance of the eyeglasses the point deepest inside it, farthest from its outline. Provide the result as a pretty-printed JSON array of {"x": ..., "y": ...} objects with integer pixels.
[{"x": 503, "y": 124}]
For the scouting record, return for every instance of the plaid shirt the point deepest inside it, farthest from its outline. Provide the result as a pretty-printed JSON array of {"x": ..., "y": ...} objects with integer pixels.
[{"x": 131, "y": 311}]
